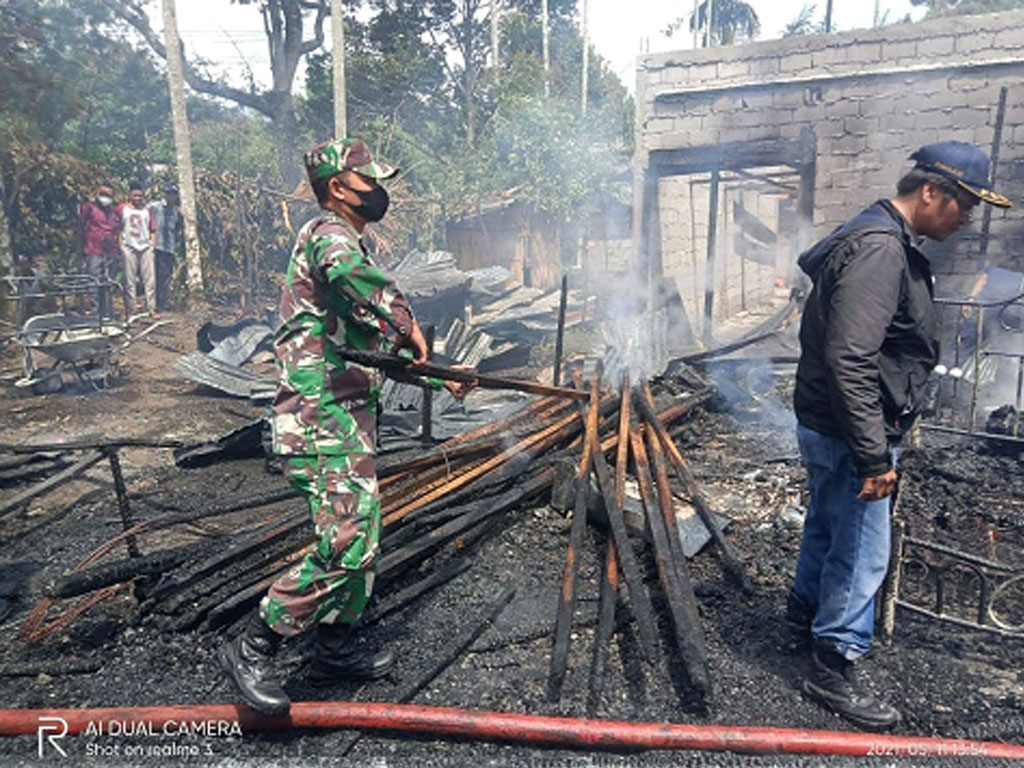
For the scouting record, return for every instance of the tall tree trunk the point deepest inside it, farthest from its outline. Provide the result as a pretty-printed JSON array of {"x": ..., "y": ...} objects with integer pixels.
[
  {"x": 183, "y": 152},
  {"x": 6, "y": 251},
  {"x": 495, "y": 36},
  {"x": 586, "y": 62},
  {"x": 469, "y": 74},
  {"x": 338, "y": 66},
  {"x": 545, "y": 49},
  {"x": 286, "y": 138}
]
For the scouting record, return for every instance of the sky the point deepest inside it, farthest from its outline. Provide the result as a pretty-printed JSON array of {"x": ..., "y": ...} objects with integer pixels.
[{"x": 232, "y": 37}]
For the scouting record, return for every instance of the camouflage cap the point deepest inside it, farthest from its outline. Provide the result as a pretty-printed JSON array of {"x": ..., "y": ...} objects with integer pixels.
[{"x": 337, "y": 155}]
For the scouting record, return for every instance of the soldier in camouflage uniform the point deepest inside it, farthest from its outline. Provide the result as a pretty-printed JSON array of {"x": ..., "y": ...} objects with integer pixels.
[{"x": 324, "y": 426}]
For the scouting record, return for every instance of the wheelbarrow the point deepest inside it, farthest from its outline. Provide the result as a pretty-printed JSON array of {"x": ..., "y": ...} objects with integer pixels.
[{"x": 82, "y": 344}]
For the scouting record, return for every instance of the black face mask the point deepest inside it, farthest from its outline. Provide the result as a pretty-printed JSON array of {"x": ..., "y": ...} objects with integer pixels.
[{"x": 374, "y": 204}]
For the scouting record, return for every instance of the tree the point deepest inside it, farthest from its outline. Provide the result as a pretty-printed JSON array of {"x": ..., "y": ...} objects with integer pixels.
[
  {"x": 284, "y": 23},
  {"x": 966, "y": 7},
  {"x": 804, "y": 23},
  {"x": 182, "y": 148},
  {"x": 733, "y": 21}
]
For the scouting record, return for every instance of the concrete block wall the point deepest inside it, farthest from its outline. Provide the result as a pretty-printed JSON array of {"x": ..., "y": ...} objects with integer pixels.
[{"x": 869, "y": 97}]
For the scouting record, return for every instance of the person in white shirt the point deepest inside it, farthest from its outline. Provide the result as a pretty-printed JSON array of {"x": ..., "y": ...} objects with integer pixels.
[{"x": 138, "y": 236}]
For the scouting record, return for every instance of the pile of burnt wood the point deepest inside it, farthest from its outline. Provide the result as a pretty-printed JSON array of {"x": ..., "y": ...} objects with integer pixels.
[{"x": 437, "y": 503}]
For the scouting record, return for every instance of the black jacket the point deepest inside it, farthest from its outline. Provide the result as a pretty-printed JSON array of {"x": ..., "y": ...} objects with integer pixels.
[{"x": 869, "y": 335}]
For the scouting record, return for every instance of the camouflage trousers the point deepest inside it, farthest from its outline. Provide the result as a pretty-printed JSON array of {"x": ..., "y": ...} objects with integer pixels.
[{"x": 333, "y": 583}]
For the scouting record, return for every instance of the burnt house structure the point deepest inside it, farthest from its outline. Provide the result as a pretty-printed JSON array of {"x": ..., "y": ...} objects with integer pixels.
[{"x": 747, "y": 154}]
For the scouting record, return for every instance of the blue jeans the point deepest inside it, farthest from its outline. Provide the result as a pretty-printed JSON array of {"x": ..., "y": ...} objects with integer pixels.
[{"x": 844, "y": 554}]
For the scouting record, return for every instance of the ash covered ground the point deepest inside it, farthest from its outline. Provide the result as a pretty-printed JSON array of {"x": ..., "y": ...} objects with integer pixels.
[{"x": 946, "y": 681}]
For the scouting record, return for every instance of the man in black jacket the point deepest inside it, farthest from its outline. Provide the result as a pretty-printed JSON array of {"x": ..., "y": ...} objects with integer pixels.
[{"x": 869, "y": 339}]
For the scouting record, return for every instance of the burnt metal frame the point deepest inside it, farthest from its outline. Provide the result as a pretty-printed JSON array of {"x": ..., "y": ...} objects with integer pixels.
[
  {"x": 979, "y": 309},
  {"x": 993, "y": 579}
]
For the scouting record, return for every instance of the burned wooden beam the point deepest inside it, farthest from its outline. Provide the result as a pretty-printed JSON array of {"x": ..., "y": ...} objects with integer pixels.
[
  {"x": 472, "y": 514},
  {"x": 123, "y": 507},
  {"x": 610, "y": 574},
  {"x": 454, "y": 567},
  {"x": 460, "y": 644},
  {"x": 117, "y": 571},
  {"x": 639, "y": 599},
  {"x": 524, "y": 451},
  {"x": 733, "y": 564},
  {"x": 87, "y": 443},
  {"x": 400, "y": 366},
  {"x": 682, "y": 604},
  {"x": 15, "y": 503},
  {"x": 271, "y": 533},
  {"x": 556, "y": 376},
  {"x": 567, "y": 596}
]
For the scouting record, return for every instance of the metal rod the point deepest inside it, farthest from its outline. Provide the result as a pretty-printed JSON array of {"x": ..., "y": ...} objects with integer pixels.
[
  {"x": 682, "y": 607},
  {"x": 403, "y": 367},
  {"x": 891, "y": 585},
  {"x": 560, "y": 335},
  {"x": 978, "y": 323},
  {"x": 1017, "y": 399},
  {"x": 965, "y": 433}
]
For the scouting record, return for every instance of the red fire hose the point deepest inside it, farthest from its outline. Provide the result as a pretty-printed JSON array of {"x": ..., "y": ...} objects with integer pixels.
[{"x": 497, "y": 726}]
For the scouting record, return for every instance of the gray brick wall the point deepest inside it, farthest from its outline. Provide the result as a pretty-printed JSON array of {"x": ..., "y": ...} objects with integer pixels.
[{"x": 870, "y": 97}]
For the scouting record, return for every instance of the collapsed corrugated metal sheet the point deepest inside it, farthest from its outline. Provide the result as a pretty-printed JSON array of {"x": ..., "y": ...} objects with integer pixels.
[{"x": 203, "y": 369}]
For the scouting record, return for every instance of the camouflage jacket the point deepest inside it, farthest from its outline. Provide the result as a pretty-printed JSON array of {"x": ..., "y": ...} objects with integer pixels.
[{"x": 334, "y": 297}]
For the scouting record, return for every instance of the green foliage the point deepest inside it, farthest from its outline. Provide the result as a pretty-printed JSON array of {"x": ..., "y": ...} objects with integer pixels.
[
  {"x": 407, "y": 97},
  {"x": 732, "y": 21},
  {"x": 79, "y": 103},
  {"x": 966, "y": 7},
  {"x": 44, "y": 189},
  {"x": 804, "y": 23}
]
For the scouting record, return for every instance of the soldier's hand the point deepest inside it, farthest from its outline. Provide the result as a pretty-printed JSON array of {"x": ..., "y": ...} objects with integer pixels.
[
  {"x": 878, "y": 487},
  {"x": 416, "y": 342},
  {"x": 459, "y": 389}
]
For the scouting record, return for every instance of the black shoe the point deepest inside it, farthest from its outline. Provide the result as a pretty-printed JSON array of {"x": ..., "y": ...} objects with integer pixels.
[
  {"x": 796, "y": 626},
  {"x": 249, "y": 662},
  {"x": 336, "y": 657},
  {"x": 833, "y": 683}
]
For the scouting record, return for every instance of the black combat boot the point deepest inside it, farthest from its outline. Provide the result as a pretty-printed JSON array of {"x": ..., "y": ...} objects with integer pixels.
[
  {"x": 796, "y": 626},
  {"x": 336, "y": 657},
  {"x": 833, "y": 682},
  {"x": 249, "y": 662}
]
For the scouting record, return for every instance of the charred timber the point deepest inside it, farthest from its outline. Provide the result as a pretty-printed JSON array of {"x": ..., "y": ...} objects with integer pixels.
[
  {"x": 567, "y": 596},
  {"x": 401, "y": 366},
  {"x": 682, "y": 604},
  {"x": 500, "y": 469},
  {"x": 608, "y": 593},
  {"x": 454, "y": 567},
  {"x": 639, "y": 599},
  {"x": 730, "y": 558}
]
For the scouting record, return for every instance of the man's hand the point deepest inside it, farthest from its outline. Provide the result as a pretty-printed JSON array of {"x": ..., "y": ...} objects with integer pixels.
[
  {"x": 415, "y": 341},
  {"x": 878, "y": 487},
  {"x": 459, "y": 389}
]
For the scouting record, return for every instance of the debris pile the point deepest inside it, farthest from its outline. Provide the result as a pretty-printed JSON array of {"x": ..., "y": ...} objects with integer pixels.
[{"x": 186, "y": 572}]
